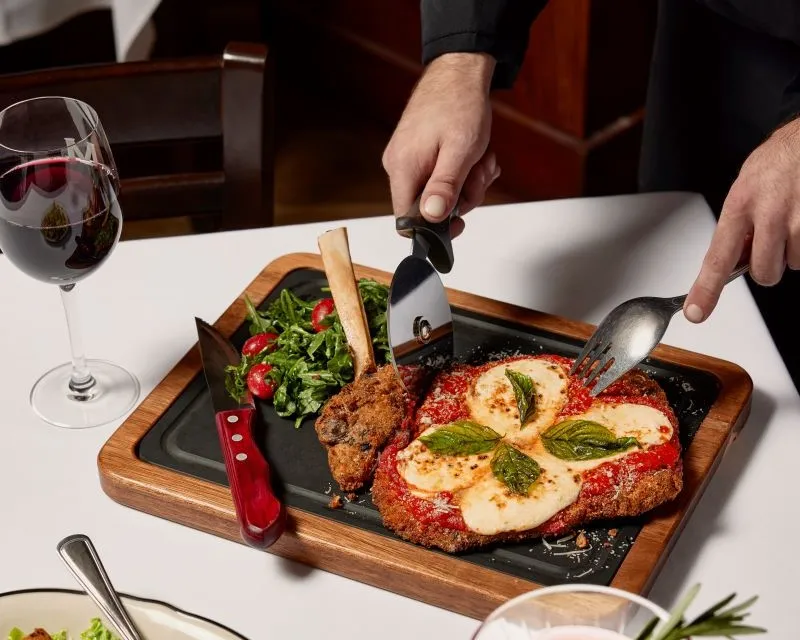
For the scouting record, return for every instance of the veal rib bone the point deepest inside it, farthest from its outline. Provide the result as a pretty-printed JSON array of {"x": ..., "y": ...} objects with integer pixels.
[
  {"x": 356, "y": 423},
  {"x": 335, "y": 250}
]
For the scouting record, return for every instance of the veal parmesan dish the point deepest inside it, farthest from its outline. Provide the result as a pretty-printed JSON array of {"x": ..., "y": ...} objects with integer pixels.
[
  {"x": 516, "y": 449},
  {"x": 499, "y": 451}
]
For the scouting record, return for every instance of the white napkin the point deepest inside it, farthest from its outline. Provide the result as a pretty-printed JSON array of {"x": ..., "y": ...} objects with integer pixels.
[{"x": 133, "y": 32}]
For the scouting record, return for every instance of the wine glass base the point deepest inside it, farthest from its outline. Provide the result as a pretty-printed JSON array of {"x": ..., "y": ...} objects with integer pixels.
[{"x": 115, "y": 393}]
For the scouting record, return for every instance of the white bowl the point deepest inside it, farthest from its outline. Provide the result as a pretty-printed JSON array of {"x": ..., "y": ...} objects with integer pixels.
[{"x": 57, "y": 609}]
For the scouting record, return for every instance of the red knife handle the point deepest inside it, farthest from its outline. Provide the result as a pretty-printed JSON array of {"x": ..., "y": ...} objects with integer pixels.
[{"x": 261, "y": 515}]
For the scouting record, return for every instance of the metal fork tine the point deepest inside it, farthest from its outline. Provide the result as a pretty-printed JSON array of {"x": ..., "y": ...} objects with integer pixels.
[
  {"x": 589, "y": 353},
  {"x": 607, "y": 378},
  {"x": 602, "y": 362},
  {"x": 591, "y": 343},
  {"x": 597, "y": 355},
  {"x": 576, "y": 366},
  {"x": 581, "y": 363}
]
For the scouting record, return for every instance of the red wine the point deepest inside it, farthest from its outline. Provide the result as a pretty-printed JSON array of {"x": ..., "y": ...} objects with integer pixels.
[{"x": 59, "y": 218}]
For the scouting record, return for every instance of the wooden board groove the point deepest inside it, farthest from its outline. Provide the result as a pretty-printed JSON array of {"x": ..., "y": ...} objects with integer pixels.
[{"x": 438, "y": 579}]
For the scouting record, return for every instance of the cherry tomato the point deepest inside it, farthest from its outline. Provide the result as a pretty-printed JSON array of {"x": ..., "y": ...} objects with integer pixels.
[
  {"x": 258, "y": 343},
  {"x": 259, "y": 382},
  {"x": 323, "y": 309}
]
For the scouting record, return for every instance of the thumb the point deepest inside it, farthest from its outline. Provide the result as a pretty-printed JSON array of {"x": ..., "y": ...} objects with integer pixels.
[{"x": 444, "y": 186}]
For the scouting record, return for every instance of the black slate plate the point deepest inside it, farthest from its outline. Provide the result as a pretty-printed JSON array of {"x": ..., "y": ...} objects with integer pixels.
[{"x": 185, "y": 439}]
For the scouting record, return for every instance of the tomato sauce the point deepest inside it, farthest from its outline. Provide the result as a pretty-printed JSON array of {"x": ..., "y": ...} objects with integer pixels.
[
  {"x": 441, "y": 512},
  {"x": 446, "y": 403}
]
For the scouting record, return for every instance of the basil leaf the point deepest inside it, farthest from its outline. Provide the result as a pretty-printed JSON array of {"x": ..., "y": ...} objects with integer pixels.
[
  {"x": 525, "y": 393},
  {"x": 515, "y": 469},
  {"x": 584, "y": 440},
  {"x": 461, "y": 438}
]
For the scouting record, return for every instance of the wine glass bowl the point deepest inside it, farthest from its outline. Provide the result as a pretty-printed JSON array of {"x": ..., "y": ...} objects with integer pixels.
[
  {"x": 571, "y": 612},
  {"x": 60, "y": 220}
]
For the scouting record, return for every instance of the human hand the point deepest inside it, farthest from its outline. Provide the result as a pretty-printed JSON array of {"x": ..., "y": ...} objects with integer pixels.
[
  {"x": 440, "y": 145},
  {"x": 761, "y": 215}
]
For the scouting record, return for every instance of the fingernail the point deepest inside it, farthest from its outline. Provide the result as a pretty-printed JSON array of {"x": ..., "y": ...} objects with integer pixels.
[
  {"x": 434, "y": 206},
  {"x": 694, "y": 313},
  {"x": 492, "y": 165}
]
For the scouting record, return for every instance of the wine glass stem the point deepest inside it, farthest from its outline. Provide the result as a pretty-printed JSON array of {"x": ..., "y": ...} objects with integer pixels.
[{"x": 82, "y": 385}]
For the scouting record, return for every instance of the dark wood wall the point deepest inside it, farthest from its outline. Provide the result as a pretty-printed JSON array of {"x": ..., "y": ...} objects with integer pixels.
[{"x": 571, "y": 125}]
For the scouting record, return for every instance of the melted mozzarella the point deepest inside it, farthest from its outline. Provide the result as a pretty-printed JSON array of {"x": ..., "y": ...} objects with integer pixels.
[
  {"x": 426, "y": 472},
  {"x": 491, "y": 398},
  {"x": 647, "y": 424},
  {"x": 632, "y": 420},
  {"x": 488, "y": 507}
]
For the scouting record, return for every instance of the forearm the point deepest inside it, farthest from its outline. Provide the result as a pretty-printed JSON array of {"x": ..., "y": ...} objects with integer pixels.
[
  {"x": 477, "y": 69},
  {"x": 499, "y": 28}
]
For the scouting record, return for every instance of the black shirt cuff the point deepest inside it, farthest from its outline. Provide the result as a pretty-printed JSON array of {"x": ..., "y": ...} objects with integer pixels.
[
  {"x": 790, "y": 105},
  {"x": 499, "y": 28}
]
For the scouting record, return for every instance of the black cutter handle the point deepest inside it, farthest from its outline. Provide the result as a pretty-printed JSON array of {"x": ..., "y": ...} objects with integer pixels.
[{"x": 435, "y": 235}]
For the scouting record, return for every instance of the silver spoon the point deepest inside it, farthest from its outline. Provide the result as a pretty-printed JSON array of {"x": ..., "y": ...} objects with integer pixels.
[
  {"x": 80, "y": 556},
  {"x": 626, "y": 336}
]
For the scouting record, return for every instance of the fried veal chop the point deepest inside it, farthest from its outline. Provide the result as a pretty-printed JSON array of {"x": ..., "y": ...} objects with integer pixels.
[
  {"x": 456, "y": 501},
  {"x": 356, "y": 423}
]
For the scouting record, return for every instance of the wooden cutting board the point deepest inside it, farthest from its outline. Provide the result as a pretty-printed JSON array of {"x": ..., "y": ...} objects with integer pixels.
[{"x": 376, "y": 558}]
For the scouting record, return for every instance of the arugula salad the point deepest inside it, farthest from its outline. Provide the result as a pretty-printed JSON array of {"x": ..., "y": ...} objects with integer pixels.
[
  {"x": 96, "y": 631},
  {"x": 297, "y": 354}
]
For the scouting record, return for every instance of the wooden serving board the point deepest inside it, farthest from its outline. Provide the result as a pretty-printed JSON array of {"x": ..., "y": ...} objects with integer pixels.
[{"x": 379, "y": 559}]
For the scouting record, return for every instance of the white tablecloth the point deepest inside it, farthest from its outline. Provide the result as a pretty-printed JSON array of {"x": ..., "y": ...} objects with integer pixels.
[
  {"x": 133, "y": 31},
  {"x": 576, "y": 258}
]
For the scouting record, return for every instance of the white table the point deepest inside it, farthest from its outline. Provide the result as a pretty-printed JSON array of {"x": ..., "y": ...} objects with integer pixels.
[
  {"x": 576, "y": 258},
  {"x": 134, "y": 33}
]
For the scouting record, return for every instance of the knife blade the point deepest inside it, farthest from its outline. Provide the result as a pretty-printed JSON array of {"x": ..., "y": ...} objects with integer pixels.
[
  {"x": 261, "y": 516},
  {"x": 419, "y": 319}
]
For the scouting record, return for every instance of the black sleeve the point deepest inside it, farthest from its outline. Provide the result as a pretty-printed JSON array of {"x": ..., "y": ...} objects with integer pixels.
[
  {"x": 498, "y": 27},
  {"x": 790, "y": 105}
]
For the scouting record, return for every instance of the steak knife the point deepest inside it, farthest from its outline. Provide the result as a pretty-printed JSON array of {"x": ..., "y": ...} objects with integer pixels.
[
  {"x": 420, "y": 323},
  {"x": 261, "y": 516}
]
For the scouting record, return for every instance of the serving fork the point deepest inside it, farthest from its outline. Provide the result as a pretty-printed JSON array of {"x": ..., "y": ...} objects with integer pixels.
[
  {"x": 626, "y": 336},
  {"x": 81, "y": 558}
]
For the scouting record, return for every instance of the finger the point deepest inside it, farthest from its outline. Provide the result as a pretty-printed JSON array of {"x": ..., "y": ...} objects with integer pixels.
[
  {"x": 726, "y": 247},
  {"x": 768, "y": 255},
  {"x": 405, "y": 181},
  {"x": 744, "y": 258},
  {"x": 478, "y": 181},
  {"x": 793, "y": 247},
  {"x": 444, "y": 186},
  {"x": 456, "y": 227}
]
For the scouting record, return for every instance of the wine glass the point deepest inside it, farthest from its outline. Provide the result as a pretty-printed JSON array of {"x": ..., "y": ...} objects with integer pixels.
[
  {"x": 572, "y": 612},
  {"x": 59, "y": 221}
]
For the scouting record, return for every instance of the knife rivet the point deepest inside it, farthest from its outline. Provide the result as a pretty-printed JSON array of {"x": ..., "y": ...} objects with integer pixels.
[
  {"x": 233, "y": 419},
  {"x": 422, "y": 329},
  {"x": 241, "y": 457},
  {"x": 236, "y": 437}
]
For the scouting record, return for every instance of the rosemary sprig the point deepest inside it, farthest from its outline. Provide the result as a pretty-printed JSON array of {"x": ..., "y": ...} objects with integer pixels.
[{"x": 717, "y": 621}]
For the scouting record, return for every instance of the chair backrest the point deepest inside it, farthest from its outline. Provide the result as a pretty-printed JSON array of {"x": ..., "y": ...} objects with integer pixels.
[{"x": 190, "y": 137}]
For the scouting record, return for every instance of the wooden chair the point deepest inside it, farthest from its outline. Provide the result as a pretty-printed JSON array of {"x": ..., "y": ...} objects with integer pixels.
[{"x": 191, "y": 137}]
